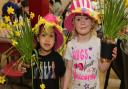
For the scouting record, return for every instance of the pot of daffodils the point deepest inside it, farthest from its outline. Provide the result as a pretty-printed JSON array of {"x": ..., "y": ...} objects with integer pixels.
[{"x": 113, "y": 21}]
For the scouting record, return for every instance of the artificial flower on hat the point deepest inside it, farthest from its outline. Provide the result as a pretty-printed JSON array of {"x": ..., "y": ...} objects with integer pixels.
[{"x": 86, "y": 7}]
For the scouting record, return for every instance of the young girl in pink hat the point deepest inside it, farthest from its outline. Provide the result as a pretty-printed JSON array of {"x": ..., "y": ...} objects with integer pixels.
[
  {"x": 83, "y": 50},
  {"x": 52, "y": 67}
]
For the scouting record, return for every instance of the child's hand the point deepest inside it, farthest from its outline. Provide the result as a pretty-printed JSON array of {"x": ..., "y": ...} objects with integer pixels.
[
  {"x": 22, "y": 67},
  {"x": 114, "y": 53}
]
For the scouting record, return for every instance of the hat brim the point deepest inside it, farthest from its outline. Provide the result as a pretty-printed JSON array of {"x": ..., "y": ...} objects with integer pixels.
[
  {"x": 59, "y": 39},
  {"x": 68, "y": 20}
]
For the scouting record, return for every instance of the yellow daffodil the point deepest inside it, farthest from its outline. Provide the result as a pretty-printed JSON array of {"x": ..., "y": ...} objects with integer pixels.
[
  {"x": 14, "y": 42},
  {"x": 20, "y": 23},
  {"x": 42, "y": 86},
  {"x": 10, "y": 10},
  {"x": 32, "y": 15},
  {"x": 18, "y": 33},
  {"x": 33, "y": 29},
  {"x": 126, "y": 3},
  {"x": 7, "y": 19},
  {"x": 2, "y": 79},
  {"x": 15, "y": 23},
  {"x": 28, "y": 20},
  {"x": 8, "y": 27},
  {"x": 2, "y": 25}
]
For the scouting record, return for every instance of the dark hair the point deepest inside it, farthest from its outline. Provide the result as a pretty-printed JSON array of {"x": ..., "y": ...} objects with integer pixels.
[
  {"x": 58, "y": 1},
  {"x": 51, "y": 2},
  {"x": 24, "y": 3}
]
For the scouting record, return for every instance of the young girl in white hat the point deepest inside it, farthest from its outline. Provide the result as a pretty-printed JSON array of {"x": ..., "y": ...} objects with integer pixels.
[{"x": 83, "y": 51}]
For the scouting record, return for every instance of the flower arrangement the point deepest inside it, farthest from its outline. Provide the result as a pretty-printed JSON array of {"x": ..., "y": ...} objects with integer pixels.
[{"x": 21, "y": 35}]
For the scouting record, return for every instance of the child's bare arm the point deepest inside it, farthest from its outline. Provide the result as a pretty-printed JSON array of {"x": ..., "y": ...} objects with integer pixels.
[
  {"x": 68, "y": 74},
  {"x": 61, "y": 82}
]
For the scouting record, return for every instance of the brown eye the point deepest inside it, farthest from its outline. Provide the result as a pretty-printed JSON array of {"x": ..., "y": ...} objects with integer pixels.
[
  {"x": 51, "y": 35},
  {"x": 43, "y": 35},
  {"x": 78, "y": 19},
  {"x": 86, "y": 18}
]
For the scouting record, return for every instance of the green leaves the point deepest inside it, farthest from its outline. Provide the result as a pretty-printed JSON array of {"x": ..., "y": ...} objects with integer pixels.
[
  {"x": 25, "y": 42},
  {"x": 114, "y": 18}
]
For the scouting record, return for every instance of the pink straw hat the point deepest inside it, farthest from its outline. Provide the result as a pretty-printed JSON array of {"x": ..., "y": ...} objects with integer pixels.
[
  {"x": 51, "y": 20},
  {"x": 84, "y": 7}
]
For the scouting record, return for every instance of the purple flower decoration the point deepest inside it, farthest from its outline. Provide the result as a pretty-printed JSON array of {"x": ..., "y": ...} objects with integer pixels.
[{"x": 83, "y": 10}]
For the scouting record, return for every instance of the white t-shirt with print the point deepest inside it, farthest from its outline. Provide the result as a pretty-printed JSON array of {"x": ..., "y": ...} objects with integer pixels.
[{"x": 85, "y": 58}]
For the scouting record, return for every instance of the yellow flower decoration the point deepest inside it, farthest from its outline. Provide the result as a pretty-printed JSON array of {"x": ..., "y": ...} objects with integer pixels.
[
  {"x": 14, "y": 42},
  {"x": 76, "y": 10},
  {"x": 42, "y": 86},
  {"x": 7, "y": 19},
  {"x": 41, "y": 20},
  {"x": 10, "y": 10},
  {"x": 48, "y": 25},
  {"x": 32, "y": 15},
  {"x": 59, "y": 27},
  {"x": 2, "y": 79},
  {"x": 59, "y": 19}
]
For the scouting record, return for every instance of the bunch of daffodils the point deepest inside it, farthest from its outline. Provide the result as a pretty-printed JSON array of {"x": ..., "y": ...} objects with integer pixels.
[{"x": 20, "y": 34}]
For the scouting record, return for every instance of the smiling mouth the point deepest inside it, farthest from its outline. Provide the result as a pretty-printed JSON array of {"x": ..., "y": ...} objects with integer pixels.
[
  {"x": 83, "y": 28},
  {"x": 47, "y": 44}
]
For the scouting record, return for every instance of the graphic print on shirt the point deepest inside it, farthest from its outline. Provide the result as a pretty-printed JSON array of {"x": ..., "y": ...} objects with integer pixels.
[
  {"x": 47, "y": 70},
  {"x": 84, "y": 66},
  {"x": 86, "y": 86}
]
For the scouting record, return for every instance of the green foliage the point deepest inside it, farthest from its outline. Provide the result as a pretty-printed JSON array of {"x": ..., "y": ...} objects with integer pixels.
[
  {"x": 25, "y": 42},
  {"x": 114, "y": 18}
]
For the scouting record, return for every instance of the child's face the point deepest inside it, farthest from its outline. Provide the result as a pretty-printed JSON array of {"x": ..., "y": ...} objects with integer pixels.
[
  {"x": 47, "y": 39},
  {"x": 82, "y": 24}
]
